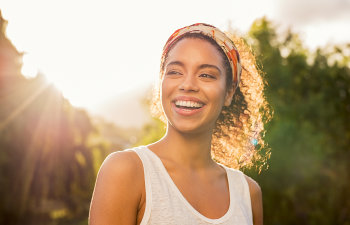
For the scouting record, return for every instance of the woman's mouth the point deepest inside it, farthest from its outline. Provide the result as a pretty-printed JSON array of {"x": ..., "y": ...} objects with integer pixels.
[
  {"x": 187, "y": 107},
  {"x": 188, "y": 104}
]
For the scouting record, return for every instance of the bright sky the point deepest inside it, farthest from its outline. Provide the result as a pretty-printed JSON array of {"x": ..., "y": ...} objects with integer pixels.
[{"x": 93, "y": 50}]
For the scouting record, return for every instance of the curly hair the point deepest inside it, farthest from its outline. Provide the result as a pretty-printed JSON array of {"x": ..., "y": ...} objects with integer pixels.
[{"x": 238, "y": 137}]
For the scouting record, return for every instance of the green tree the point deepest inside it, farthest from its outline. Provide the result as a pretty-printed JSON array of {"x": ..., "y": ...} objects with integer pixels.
[{"x": 307, "y": 181}]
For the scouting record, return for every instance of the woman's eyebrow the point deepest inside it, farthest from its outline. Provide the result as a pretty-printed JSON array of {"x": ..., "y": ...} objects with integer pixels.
[
  {"x": 175, "y": 63},
  {"x": 203, "y": 66}
]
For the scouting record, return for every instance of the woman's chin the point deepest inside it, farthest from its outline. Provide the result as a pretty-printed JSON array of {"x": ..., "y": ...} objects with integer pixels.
[{"x": 189, "y": 128}]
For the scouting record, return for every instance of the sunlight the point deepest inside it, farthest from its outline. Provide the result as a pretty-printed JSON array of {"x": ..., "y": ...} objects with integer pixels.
[
  {"x": 29, "y": 68},
  {"x": 95, "y": 52},
  {"x": 22, "y": 106},
  {"x": 46, "y": 130}
]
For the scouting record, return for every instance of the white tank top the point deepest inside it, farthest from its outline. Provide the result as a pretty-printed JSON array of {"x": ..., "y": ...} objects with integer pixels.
[{"x": 165, "y": 204}]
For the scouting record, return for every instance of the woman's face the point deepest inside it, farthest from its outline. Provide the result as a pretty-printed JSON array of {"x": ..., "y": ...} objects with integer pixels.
[{"x": 194, "y": 86}]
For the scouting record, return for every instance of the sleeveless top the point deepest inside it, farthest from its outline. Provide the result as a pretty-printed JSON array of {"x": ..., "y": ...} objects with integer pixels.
[{"x": 165, "y": 204}]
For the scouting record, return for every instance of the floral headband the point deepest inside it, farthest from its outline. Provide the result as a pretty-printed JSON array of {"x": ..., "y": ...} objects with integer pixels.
[{"x": 219, "y": 37}]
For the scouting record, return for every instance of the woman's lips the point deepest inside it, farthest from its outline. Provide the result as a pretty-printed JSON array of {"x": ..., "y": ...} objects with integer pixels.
[
  {"x": 188, "y": 98},
  {"x": 186, "y": 111}
]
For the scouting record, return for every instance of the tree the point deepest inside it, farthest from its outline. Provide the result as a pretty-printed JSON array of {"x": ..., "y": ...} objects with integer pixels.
[
  {"x": 307, "y": 180},
  {"x": 47, "y": 159}
]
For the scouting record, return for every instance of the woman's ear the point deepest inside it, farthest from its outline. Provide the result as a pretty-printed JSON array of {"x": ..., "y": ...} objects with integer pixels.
[{"x": 229, "y": 96}]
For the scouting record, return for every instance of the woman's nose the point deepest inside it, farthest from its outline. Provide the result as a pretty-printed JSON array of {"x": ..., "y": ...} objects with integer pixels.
[{"x": 189, "y": 83}]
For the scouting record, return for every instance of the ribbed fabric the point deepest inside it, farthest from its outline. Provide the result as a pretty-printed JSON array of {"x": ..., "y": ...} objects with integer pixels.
[{"x": 165, "y": 204}]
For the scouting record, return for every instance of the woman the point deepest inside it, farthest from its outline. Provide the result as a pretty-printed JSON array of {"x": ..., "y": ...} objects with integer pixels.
[{"x": 211, "y": 109}]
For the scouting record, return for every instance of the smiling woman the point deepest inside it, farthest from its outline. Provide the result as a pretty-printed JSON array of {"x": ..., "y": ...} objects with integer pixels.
[
  {"x": 212, "y": 109},
  {"x": 194, "y": 66}
]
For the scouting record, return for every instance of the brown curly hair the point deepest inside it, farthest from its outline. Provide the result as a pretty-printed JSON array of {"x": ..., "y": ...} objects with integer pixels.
[{"x": 238, "y": 137}]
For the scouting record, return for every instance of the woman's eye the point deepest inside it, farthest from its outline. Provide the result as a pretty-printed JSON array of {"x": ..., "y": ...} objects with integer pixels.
[
  {"x": 205, "y": 75},
  {"x": 172, "y": 72}
]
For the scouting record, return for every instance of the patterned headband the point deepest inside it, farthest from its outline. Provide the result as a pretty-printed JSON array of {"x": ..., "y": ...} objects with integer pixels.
[{"x": 219, "y": 37}]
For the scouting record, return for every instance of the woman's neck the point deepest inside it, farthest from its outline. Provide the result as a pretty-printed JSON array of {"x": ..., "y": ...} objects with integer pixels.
[{"x": 190, "y": 150}]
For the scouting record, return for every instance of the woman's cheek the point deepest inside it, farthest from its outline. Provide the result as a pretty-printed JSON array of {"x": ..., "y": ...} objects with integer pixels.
[{"x": 164, "y": 95}]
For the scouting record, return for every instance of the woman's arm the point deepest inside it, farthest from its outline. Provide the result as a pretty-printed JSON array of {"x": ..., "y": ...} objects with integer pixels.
[
  {"x": 118, "y": 190},
  {"x": 256, "y": 200}
]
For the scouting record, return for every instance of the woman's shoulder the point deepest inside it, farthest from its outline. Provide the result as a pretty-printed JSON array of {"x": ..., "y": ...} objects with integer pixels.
[
  {"x": 254, "y": 188},
  {"x": 122, "y": 163},
  {"x": 118, "y": 189},
  {"x": 122, "y": 170},
  {"x": 256, "y": 200},
  {"x": 255, "y": 195},
  {"x": 253, "y": 185}
]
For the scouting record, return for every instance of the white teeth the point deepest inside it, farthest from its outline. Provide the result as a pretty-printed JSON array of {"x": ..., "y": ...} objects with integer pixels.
[{"x": 188, "y": 104}]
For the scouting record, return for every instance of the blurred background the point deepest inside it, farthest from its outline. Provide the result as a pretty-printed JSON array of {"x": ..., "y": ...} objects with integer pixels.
[{"x": 76, "y": 79}]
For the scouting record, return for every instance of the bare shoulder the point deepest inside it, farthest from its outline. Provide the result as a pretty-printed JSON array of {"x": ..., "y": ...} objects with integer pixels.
[
  {"x": 118, "y": 189},
  {"x": 254, "y": 187},
  {"x": 256, "y": 200},
  {"x": 122, "y": 163},
  {"x": 122, "y": 169}
]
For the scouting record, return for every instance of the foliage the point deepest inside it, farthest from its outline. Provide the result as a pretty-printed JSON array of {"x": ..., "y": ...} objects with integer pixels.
[
  {"x": 46, "y": 161},
  {"x": 308, "y": 180}
]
